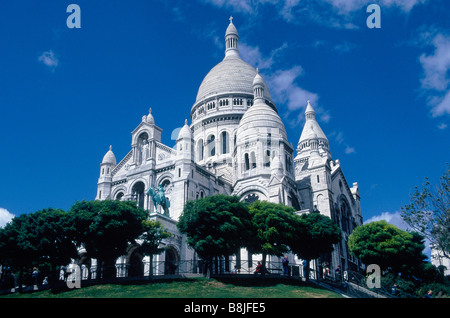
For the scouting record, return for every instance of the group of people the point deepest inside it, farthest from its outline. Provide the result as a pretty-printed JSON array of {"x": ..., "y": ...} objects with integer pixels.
[
  {"x": 30, "y": 278},
  {"x": 284, "y": 261}
]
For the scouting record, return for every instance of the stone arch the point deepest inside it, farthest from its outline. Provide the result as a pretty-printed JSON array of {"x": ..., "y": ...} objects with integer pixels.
[
  {"x": 85, "y": 263},
  {"x": 165, "y": 178},
  {"x": 138, "y": 192},
  {"x": 142, "y": 147},
  {"x": 344, "y": 213},
  {"x": 134, "y": 261},
  {"x": 224, "y": 136},
  {"x": 294, "y": 201},
  {"x": 258, "y": 190},
  {"x": 120, "y": 190},
  {"x": 200, "y": 150},
  {"x": 142, "y": 134},
  {"x": 211, "y": 145},
  {"x": 171, "y": 260}
]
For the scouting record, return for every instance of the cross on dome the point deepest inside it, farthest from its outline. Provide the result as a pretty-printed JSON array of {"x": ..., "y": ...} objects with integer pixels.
[{"x": 231, "y": 19}]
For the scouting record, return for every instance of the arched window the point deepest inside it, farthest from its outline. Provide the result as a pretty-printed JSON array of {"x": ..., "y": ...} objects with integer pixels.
[
  {"x": 142, "y": 148},
  {"x": 200, "y": 149},
  {"x": 138, "y": 192},
  {"x": 252, "y": 197},
  {"x": 119, "y": 196},
  {"x": 253, "y": 160},
  {"x": 211, "y": 145},
  {"x": 267, "y": 158},
  {"x": 225, "y": 142},
  {"x": 165, "y": 183},
  {"x": 247, "y": 162},
  {"x": 345, "y": 215}
]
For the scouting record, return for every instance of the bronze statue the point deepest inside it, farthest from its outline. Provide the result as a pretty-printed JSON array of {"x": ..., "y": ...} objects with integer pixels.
[{"x": 159, "y": 198}]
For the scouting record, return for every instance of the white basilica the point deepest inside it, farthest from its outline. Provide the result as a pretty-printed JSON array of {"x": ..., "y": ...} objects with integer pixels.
[{"x": 236, "y": 144}]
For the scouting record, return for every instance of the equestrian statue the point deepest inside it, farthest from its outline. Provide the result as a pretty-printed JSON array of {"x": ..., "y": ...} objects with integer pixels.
[{"x": 159, "y": 198}]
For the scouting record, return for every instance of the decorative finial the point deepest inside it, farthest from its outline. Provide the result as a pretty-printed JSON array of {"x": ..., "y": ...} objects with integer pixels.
[
  {"x": 231, "y": 19},
  {"x": 309, "y": 103},
  {"x": 110, "y": 147},
  {"x": 185, "y": 121},
  {"x": 150, "y": 110},
  {"x": 257, "y": 70}
]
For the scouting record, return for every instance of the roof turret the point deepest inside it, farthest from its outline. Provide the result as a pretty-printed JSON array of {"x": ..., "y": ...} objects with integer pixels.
[
  {"x": 185, "y": 131},
  {"x": 231, "y": 40},
  {"x": 109, "y": 157}
]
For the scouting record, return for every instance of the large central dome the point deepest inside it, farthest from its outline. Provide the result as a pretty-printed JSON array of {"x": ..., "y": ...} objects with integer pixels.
[{"x": 232, "y": 75}]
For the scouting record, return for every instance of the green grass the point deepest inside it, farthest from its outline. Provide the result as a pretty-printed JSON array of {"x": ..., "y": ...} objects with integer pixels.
[{"x": 192, "y": 288}]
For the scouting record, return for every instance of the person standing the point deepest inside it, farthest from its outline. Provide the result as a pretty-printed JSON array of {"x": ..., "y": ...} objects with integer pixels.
[{"x": 285, "y": 262}]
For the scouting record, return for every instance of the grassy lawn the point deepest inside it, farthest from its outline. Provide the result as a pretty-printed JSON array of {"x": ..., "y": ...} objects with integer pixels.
[{"x": 193, "y": 288}]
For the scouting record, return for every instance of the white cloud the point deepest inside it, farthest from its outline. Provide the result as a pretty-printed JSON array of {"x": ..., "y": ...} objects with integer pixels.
[
  {"x": 349, "y": 150},
  {"x": 285, "y": 90},
  {"x": 282, "y": 82},
  {"x": 396, "y": 219},
  {"x": 49, "y": 59},
  {"x": 437, "y": 64},
  {"x": 392, "y": 218},
  {"x": 435, "y": 81},
  {"x": 440, "y": 105},
  {"x": 344, "y": 47},
  {"x": 338, "y": 137},
  {"x": 346, "y": 6},
  {"x": 286, "y": 10},
  {"x": 5, "y": 217},
  {"x": 235, "y": 5},
  {"x": 253, "y": 55},
  {"x": 331, "y": 13}
]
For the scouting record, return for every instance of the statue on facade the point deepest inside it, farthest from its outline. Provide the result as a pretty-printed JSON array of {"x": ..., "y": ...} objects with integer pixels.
[{"x": 159, "y": 198}]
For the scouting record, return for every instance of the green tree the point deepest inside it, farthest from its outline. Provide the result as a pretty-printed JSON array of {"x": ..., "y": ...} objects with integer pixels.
[
  {"x": 315, "y": 235},
  {"x": 153, "y": 234},
  {"x": 105, "y": 229},
  {"x": 40, "y": 238},
  {"x": 388, "y": 246},
  {"x": 215, "y": 226},
  {"x": 429, "y": 212},
  {"x": 273, "y": 227}
]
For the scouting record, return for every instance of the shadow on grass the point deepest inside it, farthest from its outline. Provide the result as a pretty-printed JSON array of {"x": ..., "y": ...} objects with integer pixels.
[{"x": 267, "y": 281}]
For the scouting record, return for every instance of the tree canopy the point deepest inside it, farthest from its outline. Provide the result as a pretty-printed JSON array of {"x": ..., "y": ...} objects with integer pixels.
[
  {"x": 316, "y": 235},
  {"x": 41, "y": 237},
  {"x": 106, "y": 228},
  {"x": 386, "y": 245},
  {"x": 273, "y": 227},
  {"x": 216, "y": 225},
  {"x": 428, "y": 213}
]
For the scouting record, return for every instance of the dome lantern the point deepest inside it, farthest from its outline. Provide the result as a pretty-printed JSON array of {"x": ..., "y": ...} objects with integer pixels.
[{"x": 231, "y": 40}]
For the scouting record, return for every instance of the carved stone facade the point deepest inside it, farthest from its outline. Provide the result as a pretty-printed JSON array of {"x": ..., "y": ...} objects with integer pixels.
[{"x": 236, "y": 144}]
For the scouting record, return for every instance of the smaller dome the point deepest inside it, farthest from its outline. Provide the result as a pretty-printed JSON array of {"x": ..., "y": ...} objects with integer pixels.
[
  {"x": 185, "y": 131},
  {"x": 258, "y": 80},
  {"x": 311, "y": 130},
  {"x": 260, "y": 115},
  {"x": 109, "y": 157}
]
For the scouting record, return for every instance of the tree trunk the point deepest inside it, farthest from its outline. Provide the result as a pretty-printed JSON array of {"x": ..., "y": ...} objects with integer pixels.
[
  {"x": 306, "y": 270},
  {"x": 99, "y": 270},
  {"x": 209, "y": 268},
  {"x": 150, "y": 273},
  {"x": 263, "y": 263}
]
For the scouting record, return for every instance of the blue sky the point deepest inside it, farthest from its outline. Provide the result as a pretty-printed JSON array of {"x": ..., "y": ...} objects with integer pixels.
[{"x": 381, "y": 95}]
